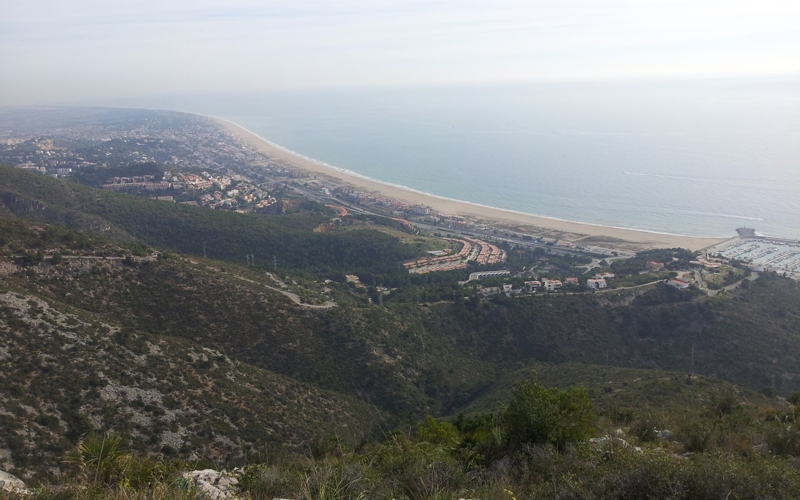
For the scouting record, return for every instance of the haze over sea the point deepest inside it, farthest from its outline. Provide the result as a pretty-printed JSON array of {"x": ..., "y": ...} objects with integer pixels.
[{"x": 695, "y": 159}]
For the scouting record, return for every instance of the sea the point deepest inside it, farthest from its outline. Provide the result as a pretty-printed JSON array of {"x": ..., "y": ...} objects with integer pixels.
[{"x": 687, "y": 158}]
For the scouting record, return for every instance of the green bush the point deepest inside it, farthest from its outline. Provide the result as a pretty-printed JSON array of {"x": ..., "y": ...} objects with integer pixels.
[
  {"x": 646, "y": 429},
  {"x": 100, "y": 457},
  {"x": 267, "y": 481},
  {"x": 538, "y": 415}
]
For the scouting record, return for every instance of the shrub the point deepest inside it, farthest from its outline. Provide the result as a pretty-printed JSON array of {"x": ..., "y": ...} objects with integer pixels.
[
  {"x": 100, "y": 457},
  {"x": 265, "y": 482},
  {"x": 334, "y": 482},
  {"x": 784, "y": 437},
  {"x": 697, "y": 436},
  {"x": 646, "y": 429},
  {"x": 440, "y": 433},
  {"x": 538, "y": 415}
]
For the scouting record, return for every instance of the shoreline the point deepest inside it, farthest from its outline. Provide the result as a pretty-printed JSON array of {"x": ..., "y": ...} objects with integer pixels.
[{"x": 575, "y": 232}]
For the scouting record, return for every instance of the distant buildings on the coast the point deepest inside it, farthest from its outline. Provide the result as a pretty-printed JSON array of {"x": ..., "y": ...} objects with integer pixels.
[
  {"x": 471, "y": 250},
  {"x": 759, "y": 253}
]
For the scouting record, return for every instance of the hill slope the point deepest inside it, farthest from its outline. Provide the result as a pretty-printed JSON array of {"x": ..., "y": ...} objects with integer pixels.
[
  {"x": 65, "y": 374},
  {"x": 405, "y": 360},
  {"x": 613, "y": 389},
  {"x": 196, "y": 230}
]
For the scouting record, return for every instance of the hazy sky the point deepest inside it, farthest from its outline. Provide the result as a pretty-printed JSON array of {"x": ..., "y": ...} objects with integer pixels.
[{"x": 59, "y": 51}]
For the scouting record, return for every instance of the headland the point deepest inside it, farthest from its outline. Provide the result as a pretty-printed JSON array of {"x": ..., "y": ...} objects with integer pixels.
[{"x": 573, "y": 232}]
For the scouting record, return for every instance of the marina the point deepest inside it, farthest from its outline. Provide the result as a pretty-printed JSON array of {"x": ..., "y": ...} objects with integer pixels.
[{"x": 763, "y": 254}]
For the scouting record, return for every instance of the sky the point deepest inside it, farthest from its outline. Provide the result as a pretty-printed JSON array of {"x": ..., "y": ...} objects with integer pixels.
[{"x": 70, "y": 51}]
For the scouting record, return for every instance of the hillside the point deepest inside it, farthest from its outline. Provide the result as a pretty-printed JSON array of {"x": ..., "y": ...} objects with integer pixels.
[
  {"x": 199, "y": 231},
  {"x": 197, "y": 357},
  {"x": 750, "y": 337},
  {"x": 633, "y": 391},
  {"x": 377, "y": 354},
  {"x": 65, "y": 373},
  {"x": 414, "y": 360}
]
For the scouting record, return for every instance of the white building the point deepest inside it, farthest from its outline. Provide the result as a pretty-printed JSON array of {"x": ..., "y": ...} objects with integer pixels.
[
  {"x": 596, "y": 284},
  {"x": 679, "y": 284},
  {"x": 551, "y": 285},
  {"x": 420, "y": 210}
]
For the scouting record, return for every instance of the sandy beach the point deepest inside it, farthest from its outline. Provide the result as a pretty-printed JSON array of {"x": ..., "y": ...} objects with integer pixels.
[{"x": 565, "y": 230}]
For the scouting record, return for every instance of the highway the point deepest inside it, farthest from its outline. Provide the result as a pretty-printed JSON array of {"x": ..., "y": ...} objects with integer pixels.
[{"x": 490, "y": 233}]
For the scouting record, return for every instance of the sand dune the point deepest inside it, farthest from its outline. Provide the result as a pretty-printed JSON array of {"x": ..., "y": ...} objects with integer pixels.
[{"x": 565, "y": 230}]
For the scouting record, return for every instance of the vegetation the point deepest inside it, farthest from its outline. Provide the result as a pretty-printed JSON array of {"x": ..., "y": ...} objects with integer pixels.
[
  {"x": 672, "y": 258},
  {"x": 373, "y": 255},
  {"x": 476, "y": 457},
  {"x": 65, "y": 375},
  {"x": 113, "y": 324},
  {"x": 540, "y": 416}
]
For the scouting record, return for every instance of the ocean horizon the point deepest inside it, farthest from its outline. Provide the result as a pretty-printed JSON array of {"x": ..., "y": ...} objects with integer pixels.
[{"x": 692, "y": 159}]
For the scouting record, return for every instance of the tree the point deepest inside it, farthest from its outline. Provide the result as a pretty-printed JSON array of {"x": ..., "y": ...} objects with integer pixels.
[{"x": 538, "y": 415}]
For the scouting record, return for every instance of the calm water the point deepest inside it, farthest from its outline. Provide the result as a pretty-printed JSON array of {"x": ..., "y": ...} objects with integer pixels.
[{"x": 698, "y": 159}]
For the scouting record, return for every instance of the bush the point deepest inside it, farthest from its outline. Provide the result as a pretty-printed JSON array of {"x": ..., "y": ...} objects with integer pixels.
[
  {"x": 628, "y": 473},
  {"x": 100, "y": 457},
  {"x": 441, "y": 433},
  {"x": 266, "y": 482},
  {"x": 646, "y": 429},
  {"x": 538, "y": 415}
]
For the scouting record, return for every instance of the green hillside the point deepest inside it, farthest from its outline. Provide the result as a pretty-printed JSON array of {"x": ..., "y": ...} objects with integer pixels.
[
  {"x": 198, "y": 357},
  {"x": 195, "y": 230},
  {"x": 750, "y": 337},
  {"x": 381, "y": 355},
  {"x": 411, "y": 359},
  {"x": 628, "y": 394}
]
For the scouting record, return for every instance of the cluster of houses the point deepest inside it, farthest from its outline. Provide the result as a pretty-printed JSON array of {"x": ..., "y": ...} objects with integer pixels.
[
  {"x": 244, "y": 197},
  {"x": 355, "y": 280},
  {"x": 147, "y": 182},
  {"x": 472, "y": 249},
  {"x": 531, "y": 287},
  {"x": 599, "y": 281},
  {"x": 544, "y": 285}
]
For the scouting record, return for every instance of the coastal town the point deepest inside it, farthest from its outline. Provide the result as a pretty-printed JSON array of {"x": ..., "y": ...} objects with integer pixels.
[
  {"x": 182, "y": 158},
  {"x": 208, "y": 166},
  {"x": 234, "y": 192}
]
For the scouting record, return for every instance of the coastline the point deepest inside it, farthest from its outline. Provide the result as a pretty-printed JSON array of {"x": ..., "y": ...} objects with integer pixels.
[{"x": 575, "y": 232}]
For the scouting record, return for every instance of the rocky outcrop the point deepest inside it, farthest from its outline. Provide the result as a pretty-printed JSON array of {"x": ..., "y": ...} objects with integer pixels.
[
  {"x": 11, "y": 484},
  {"x": 215, "y": 485}
]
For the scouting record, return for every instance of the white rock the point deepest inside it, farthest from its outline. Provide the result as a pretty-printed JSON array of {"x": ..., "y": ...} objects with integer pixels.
[
  {"x": 664, "y": 434},
  {"x": 215, "y": 485},
  {"x": 12, "y": 484}
]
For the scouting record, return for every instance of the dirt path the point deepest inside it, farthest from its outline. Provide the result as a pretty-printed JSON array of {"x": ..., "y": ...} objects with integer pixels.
[{"x": 292, "y": 296}]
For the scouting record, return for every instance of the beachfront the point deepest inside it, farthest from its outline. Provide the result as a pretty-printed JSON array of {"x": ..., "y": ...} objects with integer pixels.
[{"x": 572, "y": 232}]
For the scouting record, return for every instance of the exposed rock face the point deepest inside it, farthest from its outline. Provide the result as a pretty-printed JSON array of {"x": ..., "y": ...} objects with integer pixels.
[
  {"x": 214, "y": 485},
  {"x": 11, "y": 484}
]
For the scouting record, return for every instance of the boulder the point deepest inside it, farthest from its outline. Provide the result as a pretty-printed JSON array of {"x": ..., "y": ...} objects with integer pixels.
[
  {"x": 214, "y": 485},
  {"x": 12, "y": 484}
]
